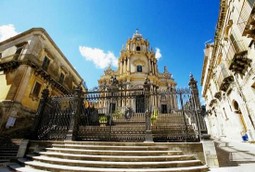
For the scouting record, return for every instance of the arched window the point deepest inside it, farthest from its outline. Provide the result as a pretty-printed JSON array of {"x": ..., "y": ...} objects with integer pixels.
[
  {"x": 139, "y": 68},
  {"x": 138, "y": 48}
]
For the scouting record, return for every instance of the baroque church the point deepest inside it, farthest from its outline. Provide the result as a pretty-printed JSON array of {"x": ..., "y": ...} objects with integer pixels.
[
  {"x": 134, "y": 105},
  {"x": 137, "y": 62}
]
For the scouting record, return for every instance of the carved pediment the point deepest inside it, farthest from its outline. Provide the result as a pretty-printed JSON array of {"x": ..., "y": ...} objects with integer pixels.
[
  {"x": 109, "y": 71},
  {"x": 139, "y": 62}
]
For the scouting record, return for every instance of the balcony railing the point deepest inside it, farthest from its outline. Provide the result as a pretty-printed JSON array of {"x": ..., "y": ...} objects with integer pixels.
[
  {"x": 249, "y": 29},
  {"x": 9, "y": 62},
  {"x": 244, "y": 15},
  {"x": 240, "y": 63},
  {"x": 223, "y": 77},
  {"x": 218, "y": 95}
]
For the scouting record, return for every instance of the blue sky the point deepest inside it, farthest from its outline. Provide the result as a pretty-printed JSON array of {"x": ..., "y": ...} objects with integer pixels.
[{"x": 178, "y": 29}]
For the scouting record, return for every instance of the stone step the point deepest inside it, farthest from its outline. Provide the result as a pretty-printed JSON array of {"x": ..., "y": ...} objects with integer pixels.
[
  {"x": 114, "y": 152},
  {"x": 8, "y": 150},
  {"x": 110, "y": 143},
  {"x": 112, "y": 156},
  {"x": 118, "y": 158},
  {"x": 66, "y": 168},
  {"x": 3, "y": 160},
  {"x": 120, "y": 137},
  {"x": 29, "y": 169},
  {"x": 112, "y": 164},
  {"x": 109, "y": 147}
]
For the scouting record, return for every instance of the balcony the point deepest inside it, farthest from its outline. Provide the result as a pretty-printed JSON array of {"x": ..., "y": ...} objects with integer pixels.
[
  {"x": 240, "y": 63},
  {"x": 223, "y": 77},
  {"x": 249, "y": 29},
  {"x": 212, "y": 102},
  {"x": 244, "y": 15},
  {"x": 9, "y": 62},
  {"x": 218, "y": 95}
]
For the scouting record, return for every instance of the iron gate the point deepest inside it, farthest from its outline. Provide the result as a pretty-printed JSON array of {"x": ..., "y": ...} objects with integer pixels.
[
  {"x": 109, "y": 115},
  {"x": 119, "y": 114}
]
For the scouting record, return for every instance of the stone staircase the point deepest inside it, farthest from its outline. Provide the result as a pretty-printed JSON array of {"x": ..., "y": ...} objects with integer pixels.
[
  {"x": 122, "y": 129},
  {"x": 172, "y": 127},
  {"x": 72, "y": 156},
  {"x": 8, "y": 149}
]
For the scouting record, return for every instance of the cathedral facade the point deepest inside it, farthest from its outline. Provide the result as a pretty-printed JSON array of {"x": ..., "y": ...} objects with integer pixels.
[{"x": 137, "y": 62}]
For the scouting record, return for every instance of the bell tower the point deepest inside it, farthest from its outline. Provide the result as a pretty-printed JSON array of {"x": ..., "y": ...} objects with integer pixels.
[{"x": 137, "y": 57}]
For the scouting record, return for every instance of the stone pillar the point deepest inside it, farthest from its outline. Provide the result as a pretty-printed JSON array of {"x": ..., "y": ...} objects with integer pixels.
[
  {"x": 39, "y": 114},
  {"x": 149, "y": 65},
  {"x": 24, "y": 82},
  {"x": 210, "y": 153},
  {"x": 147, "y": 93},
  {"x": 154, "y": 66},
  {"x": 73, "y": 125},
  {"x": 128, "y": 65},
  {"x": 120, "y": 64},
  {"x": 197, "y": 106},
  {"x": 22, "y": 148},
  {"x": 125, "y": 66},
  {"x": 152, "y": 71}
]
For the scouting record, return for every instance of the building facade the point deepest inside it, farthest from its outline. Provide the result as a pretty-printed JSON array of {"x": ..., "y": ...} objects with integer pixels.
[
  {"x": 30, "y": 62},
  {"x": 228, "y": 83},
  {"x": 137, "y": 62}
]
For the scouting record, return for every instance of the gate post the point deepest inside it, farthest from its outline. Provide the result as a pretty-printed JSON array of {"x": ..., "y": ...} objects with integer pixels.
[
  {"x": 196, "y": 102},
  {"x": 39, "y": 113},
  {"x": 148, "y": 133},
  {"x": 181, "y": 92},
  {"x": 73, "y": 125}
]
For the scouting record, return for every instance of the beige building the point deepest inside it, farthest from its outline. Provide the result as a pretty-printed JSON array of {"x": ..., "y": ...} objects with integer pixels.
[
  {"x": 30, "y": 62},
  {"x": 228, "y": 82},
  {"x": 137, "y": 62}
]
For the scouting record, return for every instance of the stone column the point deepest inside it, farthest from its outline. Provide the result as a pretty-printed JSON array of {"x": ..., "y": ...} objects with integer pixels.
[
  {"x": 73, "y": 125},
  {"x": 120, "y": 64},
  {"x": 125, "y": 66},
  {"x": 23, "y": 83},
  {"x": 154, "y": 66},
  {"x": 149, "y": 65},
  {"x": 128, "y": 65},
  {"x": 39, "y": 114},
  {"x": 147, "y": 105}
]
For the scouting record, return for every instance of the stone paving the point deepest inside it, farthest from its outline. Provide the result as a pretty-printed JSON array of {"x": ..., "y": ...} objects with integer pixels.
[{"x": 234, "y": 156}]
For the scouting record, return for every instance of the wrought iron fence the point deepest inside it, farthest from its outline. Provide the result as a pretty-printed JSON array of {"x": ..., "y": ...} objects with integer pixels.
[{"x": 117, "y": 114}]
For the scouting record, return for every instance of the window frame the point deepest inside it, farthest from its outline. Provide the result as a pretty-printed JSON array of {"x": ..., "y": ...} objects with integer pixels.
[
  {"x": 61, "y": 77},
  {"x": 139, "y": 68},
  {"x": 46, "y": 63},
  {"x": 36, "y": 89}
]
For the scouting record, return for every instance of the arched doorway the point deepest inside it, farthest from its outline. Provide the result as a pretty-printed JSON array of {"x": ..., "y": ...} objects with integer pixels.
[{"x": 238, "y": 112}]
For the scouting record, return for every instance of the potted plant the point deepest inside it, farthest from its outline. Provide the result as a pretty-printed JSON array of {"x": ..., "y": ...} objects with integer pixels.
[
  {"x": 154, "y": 116},
  {"x": 117, "y": 114},
  {"x": 102, "y": 120}
]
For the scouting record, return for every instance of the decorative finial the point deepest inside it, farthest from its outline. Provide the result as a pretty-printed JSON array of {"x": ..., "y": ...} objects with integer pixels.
[
  {"x": 191, "y": 75},
  {"x": 137, "y": 31}
]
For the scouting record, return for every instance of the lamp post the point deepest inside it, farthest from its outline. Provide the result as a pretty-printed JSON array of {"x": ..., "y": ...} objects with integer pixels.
[{"x": 148, "y": 133}]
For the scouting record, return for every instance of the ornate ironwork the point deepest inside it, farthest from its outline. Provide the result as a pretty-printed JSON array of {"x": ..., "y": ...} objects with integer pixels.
[{"x": 107, "y": 114}]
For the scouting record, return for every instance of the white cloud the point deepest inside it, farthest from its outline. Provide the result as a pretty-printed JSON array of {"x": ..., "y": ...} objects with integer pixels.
[
  {"x": 7, "y": 31},
  {"x": 158, "y": 54},
  {"x": 100, "y": 58}
]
